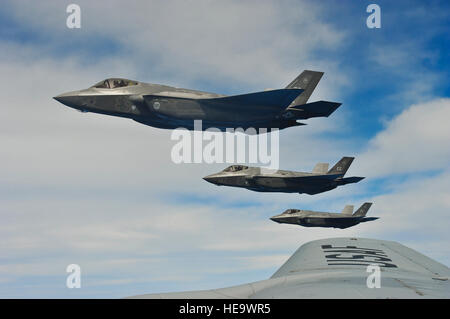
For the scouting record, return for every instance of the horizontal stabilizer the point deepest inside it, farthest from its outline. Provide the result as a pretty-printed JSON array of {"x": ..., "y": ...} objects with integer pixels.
[
  {"x": 368, "y": 219},
  {"x": 309, "y": 110},
  {"x": 279, "y": 99},
  {"x": 320, "y": 168},
  {"x": 350, "y": 180}
]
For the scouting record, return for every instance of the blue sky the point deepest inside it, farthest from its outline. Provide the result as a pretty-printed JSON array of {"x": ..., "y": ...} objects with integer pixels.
[{"x": 102, "y": 192}]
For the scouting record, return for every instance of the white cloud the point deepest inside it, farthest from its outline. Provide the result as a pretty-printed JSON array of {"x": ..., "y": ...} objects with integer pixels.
[
  {"x": 186, "y": 41},
  {"x": 417, "y": 140}
]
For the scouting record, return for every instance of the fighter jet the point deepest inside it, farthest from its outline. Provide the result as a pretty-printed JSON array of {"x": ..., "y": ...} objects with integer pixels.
[
  {"x": 257, "y": 179},
  {"x": 169, "y": 107},
  {"x": 339, "y": 268},
  {"x": 310, "y": 218}
]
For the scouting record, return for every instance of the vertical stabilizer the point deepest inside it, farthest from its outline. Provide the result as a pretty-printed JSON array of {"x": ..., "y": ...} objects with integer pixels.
[
  {"x": 342, "y": 166},
  {"x": 348, "y": 210},
  {"x": 320, "y": 168},
  {"x": 362, "y": 211},
  {"x": 306, "y": 81}
]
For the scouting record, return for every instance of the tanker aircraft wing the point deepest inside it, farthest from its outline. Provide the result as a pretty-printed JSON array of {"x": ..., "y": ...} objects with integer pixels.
[{"x": 343, "y": 268}]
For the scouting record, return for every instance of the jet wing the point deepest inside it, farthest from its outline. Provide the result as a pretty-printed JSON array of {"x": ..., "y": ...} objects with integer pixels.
[
  {"x": 315, "y": 177},
  {"x": 304, "y": 178},
  {"x": 279, "y": 99},
  {"x": 337, "y": 268},
  {"x": 276, "y": 100}
]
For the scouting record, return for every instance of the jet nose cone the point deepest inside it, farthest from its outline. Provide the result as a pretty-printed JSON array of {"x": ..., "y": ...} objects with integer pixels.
[
  {"x": 70, "y": 99},
  {"x": 59, "y": 98},
  {"x": 211, "y": 179},
  {"x": 277, "y": 218}
]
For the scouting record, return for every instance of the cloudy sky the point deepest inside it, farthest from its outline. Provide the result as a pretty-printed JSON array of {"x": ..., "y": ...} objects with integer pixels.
[{"x": 103, "y": 193}]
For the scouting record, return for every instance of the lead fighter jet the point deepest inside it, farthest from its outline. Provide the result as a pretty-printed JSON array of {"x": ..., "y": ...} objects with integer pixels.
[
  {"x": 310, "y": 218},
  {"x": 169, "y": 107},
  {"x": 256, "y": 179}
]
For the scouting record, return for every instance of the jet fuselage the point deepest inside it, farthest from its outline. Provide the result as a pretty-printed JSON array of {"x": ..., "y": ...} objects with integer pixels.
[
  {"x": 169, "y": 107},
  {"x": 319, "y": 219},
  {"x": 256, "y": 179}
]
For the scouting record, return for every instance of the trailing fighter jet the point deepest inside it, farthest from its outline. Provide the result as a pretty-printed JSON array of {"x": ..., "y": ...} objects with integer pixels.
[
  {"x": 310, "y": 218},
  {"x": 256, "y": 179},
  {"x": 339, "y": 268},
  {"x": 169, "y": 107}
]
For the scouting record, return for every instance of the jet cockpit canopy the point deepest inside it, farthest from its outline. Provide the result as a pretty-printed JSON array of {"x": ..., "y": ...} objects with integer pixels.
[
  {"x": 235, "y": 168},
  {"x": 114, "y": 83},
  {"x": 291, "y": 211}
]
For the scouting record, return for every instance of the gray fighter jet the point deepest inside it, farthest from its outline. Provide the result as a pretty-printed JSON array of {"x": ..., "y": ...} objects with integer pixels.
[
  {"x": 169, "y": 107},
  {"x": 260, "y": 180},
  {"x": 338, "y": 268},
  {"x": 310, "y": 218}
]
